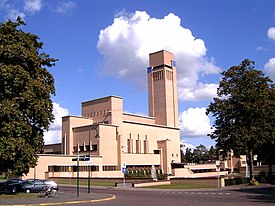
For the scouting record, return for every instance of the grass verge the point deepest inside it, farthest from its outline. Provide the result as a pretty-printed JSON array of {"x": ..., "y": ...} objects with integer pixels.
[
  {"x": 18, "y": 195},
  {"x": 179, "y": 186},
  {"x": 84, "y": 182}
]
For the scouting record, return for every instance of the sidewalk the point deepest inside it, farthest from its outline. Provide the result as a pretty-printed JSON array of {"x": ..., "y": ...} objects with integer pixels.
[{"x": 63, "y": 199}]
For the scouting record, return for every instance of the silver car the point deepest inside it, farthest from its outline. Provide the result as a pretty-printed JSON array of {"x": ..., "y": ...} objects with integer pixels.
[{"x": 39, "y": 185}]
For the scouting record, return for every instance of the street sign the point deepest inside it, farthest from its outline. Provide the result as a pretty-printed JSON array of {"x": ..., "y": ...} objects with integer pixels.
[
  {"x": 82, "y": 158},
  {"x": 124, "y": 170},
  {"x": 86, "y": 157}
]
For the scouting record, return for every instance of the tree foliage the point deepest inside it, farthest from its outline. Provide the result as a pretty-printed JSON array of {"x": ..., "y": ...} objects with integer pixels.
[
  {"x": 26, "y": 87},
  {"x": 243, "y": 120},
  {"x": 199, "y": 155}
]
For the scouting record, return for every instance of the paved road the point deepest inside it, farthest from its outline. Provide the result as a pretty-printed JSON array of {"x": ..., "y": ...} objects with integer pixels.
[{"x": 252, "y": 196}]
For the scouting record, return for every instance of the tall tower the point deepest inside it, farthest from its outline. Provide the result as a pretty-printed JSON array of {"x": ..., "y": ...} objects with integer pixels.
[{"x": 162, "y": 88}]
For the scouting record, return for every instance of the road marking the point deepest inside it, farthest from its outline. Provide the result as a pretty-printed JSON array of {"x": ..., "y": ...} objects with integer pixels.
[{"x": 197, "y": 193}]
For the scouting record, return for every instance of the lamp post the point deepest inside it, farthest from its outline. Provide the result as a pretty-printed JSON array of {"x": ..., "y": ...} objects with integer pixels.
[
  {"x": 77, "y": 180},
  {"x": 89, "y": 166}
]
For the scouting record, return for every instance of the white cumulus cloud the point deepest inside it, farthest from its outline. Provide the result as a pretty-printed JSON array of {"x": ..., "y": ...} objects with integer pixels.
[
  {"x": 13, "y": 9},
  {"x": 32, "y": 6},
  {"x": 54, "y": 134},
  {"x": 12, "y": 14},
  {"x": 126, "y": 43},
  {"x": 65, "y": 7},
  {"x": 184, "y": 145},
  {"x": 194, "y": 123},
  {"x": 271, "y": 33},
  {"x": 269, "y": 68}
]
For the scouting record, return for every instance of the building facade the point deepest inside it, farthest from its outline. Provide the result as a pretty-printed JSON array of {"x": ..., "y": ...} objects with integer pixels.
[{"x": 113, "y": 139}]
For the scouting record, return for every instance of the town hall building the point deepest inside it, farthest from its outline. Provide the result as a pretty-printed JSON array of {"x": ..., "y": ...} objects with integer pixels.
[{"x": 110, "y": 138}]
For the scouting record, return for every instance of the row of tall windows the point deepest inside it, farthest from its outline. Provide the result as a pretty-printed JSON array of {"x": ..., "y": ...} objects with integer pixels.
[
  {"x": 71, "y": 168},
  {"x": 158, "y": 75},
  {"x": 138, "y": 145},
  {"x": 169, "y": 74},
  {"x": 96, "y": 113},
  {"x": 110, "y": 168},
  {"x": 85, "y": 147}
]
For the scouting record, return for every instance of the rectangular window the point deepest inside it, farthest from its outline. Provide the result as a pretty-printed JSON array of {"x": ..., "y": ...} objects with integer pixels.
[
  {"x": 146, "y": 147},
  {"x": 130, "y": 145},
  {"x": 94, "y": 147},
  {"x": 81, "y": 148},
  {"x": 138, "y": 146},
  {"x": 109, "y": 168}
]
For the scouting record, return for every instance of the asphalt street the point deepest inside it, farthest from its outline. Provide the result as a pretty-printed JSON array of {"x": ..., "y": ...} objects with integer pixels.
[{"x": 236, "y": 196}]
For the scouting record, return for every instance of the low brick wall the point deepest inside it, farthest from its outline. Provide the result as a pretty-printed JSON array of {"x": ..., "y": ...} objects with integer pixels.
[
  {"x": 210, "y": 182},
  {"x": 148, "y": 184}
]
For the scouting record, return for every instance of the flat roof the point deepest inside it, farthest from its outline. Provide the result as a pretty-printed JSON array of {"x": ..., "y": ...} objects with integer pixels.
[
  {"x": 138, "y": 115},
  {"x": 102, "y": 98},
  {"x": 160, "y": 51}
]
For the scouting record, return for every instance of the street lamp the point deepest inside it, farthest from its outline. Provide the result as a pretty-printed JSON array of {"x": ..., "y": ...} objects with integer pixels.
[
  {"x": 89, "y": 167},
  {"x": 93, "y": 127}
]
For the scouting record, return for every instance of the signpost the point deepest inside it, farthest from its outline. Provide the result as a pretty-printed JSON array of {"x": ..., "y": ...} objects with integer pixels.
[
  {"x": 79, "y": 158},
  {"x": 77, "y": 190},
  {"x": 218, "y": 167},
  {"x": 124, "y": 171}
]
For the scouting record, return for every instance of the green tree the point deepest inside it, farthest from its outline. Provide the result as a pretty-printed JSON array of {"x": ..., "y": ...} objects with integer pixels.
[
  {"x": 200, "y": 154},
  {"x": 266, "y": 151},
  {"x": 243, "y": 100},
  {"x": 183, "y": 158},
  {"x": 212, "y": 154},
  {"x": 26, "y": 87}
]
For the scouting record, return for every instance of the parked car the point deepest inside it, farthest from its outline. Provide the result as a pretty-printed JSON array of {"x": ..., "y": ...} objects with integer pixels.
[
  {"x": 24, "y": 183},
  {"x": 38, "y": 186},
  {"x": 31, "y": 180},
  {"x": 11, "y": 186}
]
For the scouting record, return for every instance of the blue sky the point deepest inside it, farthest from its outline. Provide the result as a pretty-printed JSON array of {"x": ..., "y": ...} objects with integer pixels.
[{"x": 103, "y": 48}]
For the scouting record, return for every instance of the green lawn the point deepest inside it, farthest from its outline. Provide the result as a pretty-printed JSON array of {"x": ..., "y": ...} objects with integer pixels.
[
  {"x": 179, "y": 186},
  {"x": 18, "y": 195},
  {"x": 84, "y": 182}
]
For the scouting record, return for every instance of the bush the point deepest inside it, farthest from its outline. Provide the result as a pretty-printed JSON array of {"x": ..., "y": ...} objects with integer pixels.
[
  {"x": 253, "y": 182},
  {"x": 236, "y": 181}
]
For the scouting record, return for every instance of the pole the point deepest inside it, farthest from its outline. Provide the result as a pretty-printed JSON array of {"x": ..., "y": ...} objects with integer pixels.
[
  {"x": 124, "y": 181},
  {"x": 89, "y": 167},
  {"x": 77, "y": 190},
  {"x": 218, "y": 179},
  {"x": 218, "y": 167}
]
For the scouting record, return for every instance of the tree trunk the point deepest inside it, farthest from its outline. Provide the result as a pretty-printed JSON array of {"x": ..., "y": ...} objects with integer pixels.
[
  {"x": 250, "y": 163},
  {"x": 270, "y": 167}
]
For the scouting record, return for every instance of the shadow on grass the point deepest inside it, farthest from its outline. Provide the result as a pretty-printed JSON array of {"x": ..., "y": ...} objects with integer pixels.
[{"x": 259, "y": 194}]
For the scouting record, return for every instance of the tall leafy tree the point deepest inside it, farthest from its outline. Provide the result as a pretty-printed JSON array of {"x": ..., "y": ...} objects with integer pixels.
[
  {"x": 212, "y": 154},
  {"x": 26, "y": 87},
  {"x": 240, "y": 108},
  {"x": 200, "y": 154},
  {"x": 188, "y": 155},
  {"x": 266, "y": 151}
]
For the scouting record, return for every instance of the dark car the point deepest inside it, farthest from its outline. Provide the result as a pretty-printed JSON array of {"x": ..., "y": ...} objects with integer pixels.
[
  {"x": 24, "y": 183},
  {"x": 30, "y": 180},
  {"x": 39, "y": 185},
  {"x": 11, "y": 186}
]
